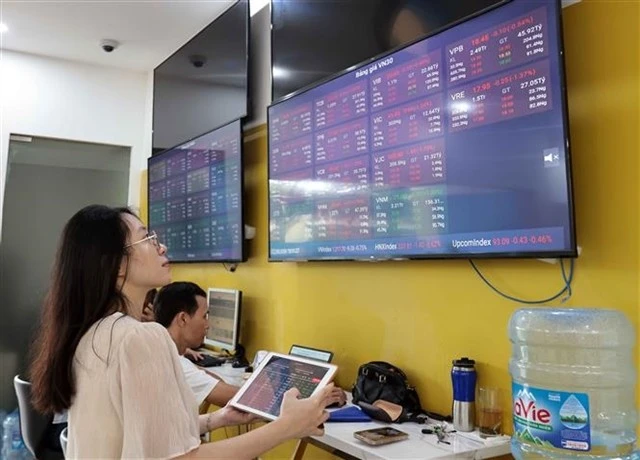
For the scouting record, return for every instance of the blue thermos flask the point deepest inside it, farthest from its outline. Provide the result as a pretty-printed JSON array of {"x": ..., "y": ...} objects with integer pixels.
[{"x": 463, "y": 379}]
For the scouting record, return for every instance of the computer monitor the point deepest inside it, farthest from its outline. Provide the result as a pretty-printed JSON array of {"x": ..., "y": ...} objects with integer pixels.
[
  {"x": 224, "y": 318},
  {"x": 311, "y": 353}
]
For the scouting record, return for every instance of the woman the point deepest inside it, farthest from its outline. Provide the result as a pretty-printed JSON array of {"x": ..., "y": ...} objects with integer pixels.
[{"x": 120, "y": 378}]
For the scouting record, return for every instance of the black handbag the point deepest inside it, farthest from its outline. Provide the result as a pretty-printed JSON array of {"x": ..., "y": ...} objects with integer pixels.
[
  {"x": 382, "y": 381},
  {"x": 379, "y": 380}
]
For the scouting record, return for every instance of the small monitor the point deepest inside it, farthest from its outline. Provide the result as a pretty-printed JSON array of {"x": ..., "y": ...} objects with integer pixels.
[
  {"x": 311, "y": 353},
  {"x": 224, "y": 318}
]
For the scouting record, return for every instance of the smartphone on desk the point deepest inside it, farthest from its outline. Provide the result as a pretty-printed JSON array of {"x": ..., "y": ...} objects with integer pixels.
[{"x": 379, "y": 436}]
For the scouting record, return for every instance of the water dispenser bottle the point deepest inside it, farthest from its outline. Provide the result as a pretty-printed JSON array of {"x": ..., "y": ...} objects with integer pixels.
[
  {"x": 3, "y": 415},
  {"x": 573, "y": 383},
  {"x": 12, "y": 446}
]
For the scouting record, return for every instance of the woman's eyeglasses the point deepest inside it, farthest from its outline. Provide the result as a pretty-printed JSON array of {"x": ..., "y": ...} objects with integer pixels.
[{"x": 151, "y": 236}]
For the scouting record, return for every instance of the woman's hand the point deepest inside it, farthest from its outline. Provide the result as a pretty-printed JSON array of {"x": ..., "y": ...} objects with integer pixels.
[
  {"x": 304, "y": 417},
  {"x": 232, "y": 416},
  {"x": 227, "y": 416}
]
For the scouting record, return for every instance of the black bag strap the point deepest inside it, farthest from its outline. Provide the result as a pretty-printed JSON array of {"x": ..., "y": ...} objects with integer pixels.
[{"x": 383, "y": 367}]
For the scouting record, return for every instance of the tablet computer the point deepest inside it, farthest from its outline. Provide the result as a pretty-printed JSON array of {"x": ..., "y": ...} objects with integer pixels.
[{"x": 262, "y": 393}]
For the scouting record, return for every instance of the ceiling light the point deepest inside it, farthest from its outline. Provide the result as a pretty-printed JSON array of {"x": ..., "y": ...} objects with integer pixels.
[{"x": 3, "y": 28}]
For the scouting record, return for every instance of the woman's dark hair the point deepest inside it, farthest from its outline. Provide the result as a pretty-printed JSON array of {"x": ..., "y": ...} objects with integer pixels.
[
  {"x": 175, "y": 298},
  {"x": 84, "y": 289}
]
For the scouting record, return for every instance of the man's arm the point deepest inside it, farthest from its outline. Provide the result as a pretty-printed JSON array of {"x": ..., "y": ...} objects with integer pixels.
[
  {"x": 221, "y": 393},
  {"x": 206, "y": 386}
]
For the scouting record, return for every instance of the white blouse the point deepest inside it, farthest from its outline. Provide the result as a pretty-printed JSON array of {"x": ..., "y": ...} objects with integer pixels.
[{"x": 131, "y": 399}]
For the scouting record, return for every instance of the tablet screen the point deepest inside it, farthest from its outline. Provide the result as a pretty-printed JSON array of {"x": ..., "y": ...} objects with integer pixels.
[{"x": 277, "y": 374}]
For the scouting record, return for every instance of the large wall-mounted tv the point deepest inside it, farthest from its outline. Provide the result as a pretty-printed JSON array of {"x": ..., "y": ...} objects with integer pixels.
[
  {"x": 204, "y": 83},
  {"x": 454, "y": 146},
  {"x": 312, "y": 40},
  {"x": 195, "y": 197}
]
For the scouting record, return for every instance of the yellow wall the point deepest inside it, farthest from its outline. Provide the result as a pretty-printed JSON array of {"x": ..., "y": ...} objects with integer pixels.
[{"x": 420, "y": 315}]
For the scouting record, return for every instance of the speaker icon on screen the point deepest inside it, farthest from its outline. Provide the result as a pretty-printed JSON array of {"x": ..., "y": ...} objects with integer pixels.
[{"x": 551, "y": 157}]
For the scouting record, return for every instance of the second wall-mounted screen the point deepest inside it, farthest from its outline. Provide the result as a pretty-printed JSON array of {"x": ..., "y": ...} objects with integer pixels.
[{"x": 195, "y": 197}]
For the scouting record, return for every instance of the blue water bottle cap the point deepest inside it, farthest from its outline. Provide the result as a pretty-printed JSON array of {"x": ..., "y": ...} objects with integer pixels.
[{"x": 464, "y": 362}]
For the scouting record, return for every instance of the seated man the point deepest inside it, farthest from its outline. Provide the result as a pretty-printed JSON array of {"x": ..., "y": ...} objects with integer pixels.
[{"x": 181, "y": 307}]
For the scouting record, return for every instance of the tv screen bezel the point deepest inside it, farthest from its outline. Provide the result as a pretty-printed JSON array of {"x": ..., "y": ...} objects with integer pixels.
[
  {"x": 243, "y": 251},
  {"x": 247, "y": 67},
  {"x": 571, "y": 252}
]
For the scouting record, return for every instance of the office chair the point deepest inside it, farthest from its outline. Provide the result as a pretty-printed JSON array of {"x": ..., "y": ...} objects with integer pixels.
[
  {"x": 33, "y": 425},
  {"x": 64, "y": 439}
]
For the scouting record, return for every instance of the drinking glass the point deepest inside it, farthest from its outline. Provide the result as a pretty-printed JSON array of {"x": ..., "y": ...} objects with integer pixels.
[{"x": 489, "y": 411}]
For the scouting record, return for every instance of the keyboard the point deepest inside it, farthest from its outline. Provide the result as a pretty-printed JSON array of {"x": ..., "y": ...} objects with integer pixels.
[{"x": 207, "y": 361}]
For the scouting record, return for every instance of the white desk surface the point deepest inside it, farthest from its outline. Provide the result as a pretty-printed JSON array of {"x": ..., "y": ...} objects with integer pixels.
[
  {"x": 231, "y": 375},
  {"x": 339, "y": 436}
]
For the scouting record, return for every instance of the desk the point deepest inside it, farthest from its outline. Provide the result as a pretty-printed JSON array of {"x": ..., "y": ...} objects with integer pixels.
[
  {"x": 231, "y": 375},
  {"x": 339, "y": 436}
]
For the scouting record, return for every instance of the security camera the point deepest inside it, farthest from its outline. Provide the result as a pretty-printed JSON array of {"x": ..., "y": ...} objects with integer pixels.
[
  {"x": 108, "y": 45},
  {"x": 198, "y": 60}
]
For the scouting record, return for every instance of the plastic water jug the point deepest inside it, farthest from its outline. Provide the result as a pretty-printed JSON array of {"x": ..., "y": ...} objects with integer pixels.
[
  {"x": 3, "y": 414},
  {"x": 12, "y": 446},
  {"x": 573, "y": 383}
]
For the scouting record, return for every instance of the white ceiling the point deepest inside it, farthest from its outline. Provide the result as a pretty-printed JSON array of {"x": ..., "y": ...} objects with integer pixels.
[{"x": 149, "y": 30}]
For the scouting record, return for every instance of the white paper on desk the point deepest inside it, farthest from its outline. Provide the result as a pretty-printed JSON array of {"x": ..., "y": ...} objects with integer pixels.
[{"x": 462, "y": 443}]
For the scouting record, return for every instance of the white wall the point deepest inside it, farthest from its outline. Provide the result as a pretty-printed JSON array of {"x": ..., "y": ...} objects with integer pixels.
[{"x": 47, "y": 97}]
